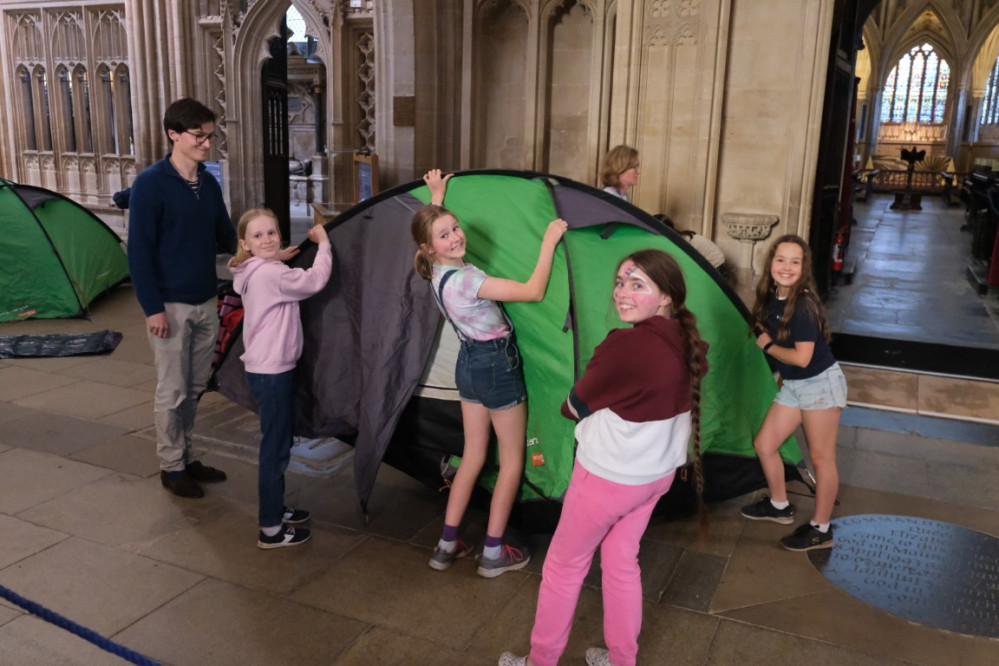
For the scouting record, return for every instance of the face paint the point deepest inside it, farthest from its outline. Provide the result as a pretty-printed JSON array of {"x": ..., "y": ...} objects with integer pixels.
[{"x": 636, "y": 296}]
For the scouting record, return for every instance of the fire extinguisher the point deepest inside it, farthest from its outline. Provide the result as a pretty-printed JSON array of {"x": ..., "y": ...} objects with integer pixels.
[{"x": 837, "y": 256}]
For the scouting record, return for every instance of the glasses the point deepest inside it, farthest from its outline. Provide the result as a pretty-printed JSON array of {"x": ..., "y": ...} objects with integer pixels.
[{"x": 200, "y": 139}]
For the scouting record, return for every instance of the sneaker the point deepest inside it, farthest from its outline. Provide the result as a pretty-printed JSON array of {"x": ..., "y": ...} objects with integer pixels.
[
  {"x": 510, "y": 659},
  {"x": 765, "y": 510},
  {"x": 808, "y": 537},
  {"x": 295, "y": 516},
  {"x": 288, "y": 536},
  {"x": 442, "y": 559},
  {"x": 181, "y": 484},
  {"x": 510, "y": 558},
  {"x": 598, "y": 657},
  {"x": 205, "y": 474}
]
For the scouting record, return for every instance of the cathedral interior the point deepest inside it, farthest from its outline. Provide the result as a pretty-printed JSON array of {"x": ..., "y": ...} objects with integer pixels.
[{"x": 868, "y": 127}]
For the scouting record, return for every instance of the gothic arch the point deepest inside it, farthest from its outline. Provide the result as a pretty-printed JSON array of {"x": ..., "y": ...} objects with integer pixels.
[
  {"x": 899, "y": 39},
  {"x": 983, "y": 45},
  {"x": 250, "y": 50}
]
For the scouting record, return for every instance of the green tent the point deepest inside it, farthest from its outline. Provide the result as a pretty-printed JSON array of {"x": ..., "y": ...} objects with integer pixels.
[
  {"x": 56, "y": 256},
  {"x": 371, "y": 331}
]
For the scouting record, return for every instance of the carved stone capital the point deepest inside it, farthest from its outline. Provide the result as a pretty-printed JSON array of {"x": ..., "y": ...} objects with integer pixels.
[{"x": 749, "y": 227}]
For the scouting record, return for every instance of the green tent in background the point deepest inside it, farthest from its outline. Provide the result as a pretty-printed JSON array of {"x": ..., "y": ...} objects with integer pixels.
[
  {"x": 56, "y": 256},
  {"x": 370, "y": 334}
]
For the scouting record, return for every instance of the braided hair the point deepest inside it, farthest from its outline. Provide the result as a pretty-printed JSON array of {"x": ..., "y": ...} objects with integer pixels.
[{"x": 666, "y": 273}]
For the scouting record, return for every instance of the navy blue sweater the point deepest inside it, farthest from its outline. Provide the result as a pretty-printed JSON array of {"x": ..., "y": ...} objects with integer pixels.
[{"x": 174, "y": 235}]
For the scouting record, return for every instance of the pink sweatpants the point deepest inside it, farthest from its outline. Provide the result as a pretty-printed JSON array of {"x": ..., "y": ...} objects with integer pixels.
[{"x": 596, "y": 512}]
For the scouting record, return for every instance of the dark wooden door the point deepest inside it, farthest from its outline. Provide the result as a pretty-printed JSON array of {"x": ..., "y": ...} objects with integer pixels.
[
  {"x": 848, "y": 25},
  {"x": 274, "y": 89}
]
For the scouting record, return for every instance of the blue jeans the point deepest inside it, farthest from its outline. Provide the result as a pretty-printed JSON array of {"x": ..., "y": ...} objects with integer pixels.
[
  {"x": 489, "y": 373},
  {"x": 274, "y": 395}
]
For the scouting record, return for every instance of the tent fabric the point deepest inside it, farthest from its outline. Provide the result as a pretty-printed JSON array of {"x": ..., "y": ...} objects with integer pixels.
[
  {"x": 56, "y": 257},
  {"x": 369, "y": 332}
]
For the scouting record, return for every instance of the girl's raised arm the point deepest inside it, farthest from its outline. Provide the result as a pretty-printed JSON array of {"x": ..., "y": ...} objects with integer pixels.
[
  {"x": 436, "y": 182},
  {"x": 511, "y": 291}
]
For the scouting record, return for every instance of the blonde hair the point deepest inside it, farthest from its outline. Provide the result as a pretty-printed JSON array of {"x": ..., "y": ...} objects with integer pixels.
[
  {"x": 244, "y": 221},
  {"x": 422, "y": 228},
  {"x": 618, "y": 160}
]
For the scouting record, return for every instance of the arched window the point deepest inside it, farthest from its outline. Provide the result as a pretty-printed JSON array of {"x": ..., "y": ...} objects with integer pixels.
[
  {"x": 28, "y": 104},
  {"x": 68, "y": 121},
  {"x": 81, "y": 87},
  {"x": 990, "y": 105},
  {"x": 123, "y": 100},
  {"x": 40, "y": 91},
  {"x": 916, "y": 88}
]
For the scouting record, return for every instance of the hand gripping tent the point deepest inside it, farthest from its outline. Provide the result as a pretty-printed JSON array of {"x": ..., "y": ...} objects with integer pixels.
[
  {"x": 370, "y": 334},
  {"x": 55, "y": 255}
]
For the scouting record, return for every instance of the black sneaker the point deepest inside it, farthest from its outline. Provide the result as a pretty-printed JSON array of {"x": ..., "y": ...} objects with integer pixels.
[
  {"x": 181, "y": 484},
  {"x": 288, "y": 536},
  {"x": 205, "y": 474},
  {"x": 808, "y": 537},
  {"x": 765, "y": 510},
  {"x": 295, "y": 516}
]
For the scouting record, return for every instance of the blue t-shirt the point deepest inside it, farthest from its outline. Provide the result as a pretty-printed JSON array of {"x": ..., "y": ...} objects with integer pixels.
[{"x": 804, "y": 328}]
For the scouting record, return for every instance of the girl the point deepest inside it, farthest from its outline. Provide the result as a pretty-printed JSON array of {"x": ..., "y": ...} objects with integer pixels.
[
  {"x": 791, "y": 328},
  {"x": 272, "y": 335},
  {"x": 620, "y": 171},
  {"x": 488, "y": 374},
  {"x": 637, "y": 407}
]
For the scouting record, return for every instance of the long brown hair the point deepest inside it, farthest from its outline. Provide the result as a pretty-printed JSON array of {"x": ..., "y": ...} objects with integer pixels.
[
  {"x": 804, "y": 290},
  {"x": 244, "y": 221},
  {"x": 422, "y": 228},
  {"x": 663, "y": 270}
]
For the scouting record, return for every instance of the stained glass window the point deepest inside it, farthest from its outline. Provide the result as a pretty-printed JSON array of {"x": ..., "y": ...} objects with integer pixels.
[
  {"x": 916, "y": 88},
  {"x": 990, "y": 105}
]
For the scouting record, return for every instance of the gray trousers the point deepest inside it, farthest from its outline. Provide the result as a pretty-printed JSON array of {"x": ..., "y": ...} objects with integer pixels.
[{"x": 183, "y": 362}]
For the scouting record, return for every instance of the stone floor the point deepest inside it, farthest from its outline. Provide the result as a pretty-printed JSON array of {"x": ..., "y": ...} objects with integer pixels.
[
  {"x": 89, "y": 533},
  {"x": 910, "y": 281}
]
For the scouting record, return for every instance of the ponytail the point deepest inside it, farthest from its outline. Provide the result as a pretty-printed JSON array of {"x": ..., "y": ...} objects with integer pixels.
[{"x": 423, "y": 265}]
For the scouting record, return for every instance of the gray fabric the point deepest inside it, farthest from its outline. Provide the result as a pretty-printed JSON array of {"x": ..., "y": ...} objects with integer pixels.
[{"x": 368, "y": 335}]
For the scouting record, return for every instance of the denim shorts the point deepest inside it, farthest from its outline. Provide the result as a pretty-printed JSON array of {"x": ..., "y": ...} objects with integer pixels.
[
  {"x": 825, "y": 390},
  {"x": 489, "y": 372}
]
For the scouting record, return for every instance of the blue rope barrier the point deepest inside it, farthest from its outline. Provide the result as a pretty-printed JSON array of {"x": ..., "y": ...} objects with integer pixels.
[{"x": 72, "y": 627}]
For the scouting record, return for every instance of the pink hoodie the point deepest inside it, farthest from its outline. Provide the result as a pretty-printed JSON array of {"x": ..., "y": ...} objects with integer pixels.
[{"x": 272, "y": 328}]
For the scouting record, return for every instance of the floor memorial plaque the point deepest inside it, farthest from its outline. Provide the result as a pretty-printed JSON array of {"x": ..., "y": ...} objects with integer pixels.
[{"x": 938, "y": 574}]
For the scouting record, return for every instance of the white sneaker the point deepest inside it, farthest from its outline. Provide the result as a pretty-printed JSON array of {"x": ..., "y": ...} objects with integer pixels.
[
  {"x": 510, "y": 659},
  {"x": 598, "y": 657}
]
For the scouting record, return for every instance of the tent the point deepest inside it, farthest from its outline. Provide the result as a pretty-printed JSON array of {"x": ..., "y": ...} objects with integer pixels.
[
  {"x": 56, "y": 256},
  {"x": 370, "y": 334}
]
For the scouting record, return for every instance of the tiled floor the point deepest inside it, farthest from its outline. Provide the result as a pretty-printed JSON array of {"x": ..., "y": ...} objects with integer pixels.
[{"x": 88, "y": 532}]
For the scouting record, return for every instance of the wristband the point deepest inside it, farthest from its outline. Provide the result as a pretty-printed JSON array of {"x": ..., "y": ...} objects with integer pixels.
[{"x": 768, "y": 346}]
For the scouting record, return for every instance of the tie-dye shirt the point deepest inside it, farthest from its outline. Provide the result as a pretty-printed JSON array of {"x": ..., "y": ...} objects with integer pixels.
[{"x": 476, "y": 318}]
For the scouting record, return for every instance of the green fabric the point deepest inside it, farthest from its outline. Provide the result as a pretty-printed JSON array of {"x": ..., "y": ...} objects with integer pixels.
[
  {"x": 55, "y": 260},
  {"x": 504, "y": 219},
  {"x": 93, "y": 259}
]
